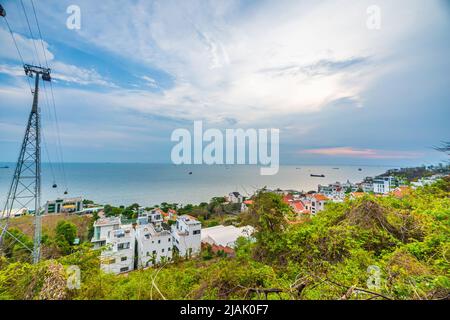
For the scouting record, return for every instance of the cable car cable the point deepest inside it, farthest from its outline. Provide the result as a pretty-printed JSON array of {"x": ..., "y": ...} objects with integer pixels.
[{"x": 17, "y": 48}]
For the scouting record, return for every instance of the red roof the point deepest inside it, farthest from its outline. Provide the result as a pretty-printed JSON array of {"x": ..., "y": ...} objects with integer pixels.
[
  {"x": 298, "y": 205},
  {"x": 320, "y": 197},
  {"x": 288, "y": 198},
  {"x": 248, "y": 202}
]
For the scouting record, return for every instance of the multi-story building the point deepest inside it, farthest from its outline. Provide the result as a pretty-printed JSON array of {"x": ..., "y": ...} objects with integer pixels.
[
  {"x": 117, "y": 242},
  {"x": 334, "y": 190},
  {"x": 315, "y": 202},
  {"x": 235, "y": 197},
  {"x": 154, "y": 239},
  {"x": 68, "y": 205},
  {"x": 186, "y": 233},
  {"x": 384, "y": 184}
]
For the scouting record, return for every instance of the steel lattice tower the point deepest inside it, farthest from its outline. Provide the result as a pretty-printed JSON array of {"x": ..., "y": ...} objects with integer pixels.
[{"x": 25, "y": 189}]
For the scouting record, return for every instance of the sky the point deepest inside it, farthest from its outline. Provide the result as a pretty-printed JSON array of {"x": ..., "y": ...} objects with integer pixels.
[{"x": 339, "y": 91}]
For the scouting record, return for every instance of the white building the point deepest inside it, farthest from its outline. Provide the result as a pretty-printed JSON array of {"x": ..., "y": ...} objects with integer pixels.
[
  {"x": 225, "y": 236},
  {"x": 334, "y": 190},
  {"x": 154, "y": 240},
  {"x": 384, "y": 184},
  {"x": 15, "y": 213},
  {"x": 315, "y": 202},
  {"x": 235, "y": 197},
  {"x": 186, "y": 234},
  {"x": 67, "y": 205},
  {"x": 117, "y": 241}
]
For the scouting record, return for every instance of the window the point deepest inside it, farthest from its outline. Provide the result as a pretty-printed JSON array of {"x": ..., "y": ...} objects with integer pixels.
[
  {"x": 169, "y": 239},
  {"x": 154, "y": 252},
  {"x": 196, "y": 232},
  {"x": 109, "y": 261},
  {"x": 162, "y": 250},
  {"x": 169, "y": 249},
  {"x": 122, "y": 246},
  {"x": 123, "y": 259},
  {"x": 124, "y": 269},
  {"x": 159, "y": 241}
]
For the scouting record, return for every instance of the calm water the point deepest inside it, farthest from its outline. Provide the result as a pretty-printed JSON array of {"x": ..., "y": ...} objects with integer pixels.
[{"x": 149, "y": 184}]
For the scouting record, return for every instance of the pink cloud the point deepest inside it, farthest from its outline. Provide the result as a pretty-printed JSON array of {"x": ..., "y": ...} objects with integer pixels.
[{"x": 363, "y": 153}]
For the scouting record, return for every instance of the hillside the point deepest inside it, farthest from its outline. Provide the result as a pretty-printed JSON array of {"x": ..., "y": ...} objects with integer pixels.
[
  {"x": 49, "y": 222},
  {"x": 369, "y": 248}
]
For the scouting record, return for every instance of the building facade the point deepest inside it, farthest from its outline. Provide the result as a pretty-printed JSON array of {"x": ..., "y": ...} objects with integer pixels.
[
  {"x": 153, "y": 239},
  {"x": 117, "y": 242},
  {"x": 67, "y": 205},
  {"x": 187, "y": 236}
]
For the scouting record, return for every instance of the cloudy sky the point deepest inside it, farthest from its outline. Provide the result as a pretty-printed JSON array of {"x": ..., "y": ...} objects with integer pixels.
[{"x": 340, "y": 92}]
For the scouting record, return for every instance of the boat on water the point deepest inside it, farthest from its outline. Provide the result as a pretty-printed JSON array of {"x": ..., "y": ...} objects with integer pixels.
[
  {"x": 318, "y": 175},
  {"x": 4, "y": 167},
  {"x": 335, "y": 168},
  {"x": 359, "y": 169}
]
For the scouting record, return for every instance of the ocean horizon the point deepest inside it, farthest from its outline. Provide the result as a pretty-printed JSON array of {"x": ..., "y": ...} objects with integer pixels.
[{"x": 149, "y": 184}]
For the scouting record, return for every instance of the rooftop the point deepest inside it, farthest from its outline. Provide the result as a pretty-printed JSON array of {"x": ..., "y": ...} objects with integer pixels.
[
  {"x": 189, "y": 219},
  {"x": 107, "y": 221}
]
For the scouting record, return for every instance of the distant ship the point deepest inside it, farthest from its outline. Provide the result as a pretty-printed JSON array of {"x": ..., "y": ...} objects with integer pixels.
[
  {"x": 335, "y": 168},
  {"x": 4, "y": 167},
  {"x": 318, "y": 175},
  {"x": 359, "y": 169}
]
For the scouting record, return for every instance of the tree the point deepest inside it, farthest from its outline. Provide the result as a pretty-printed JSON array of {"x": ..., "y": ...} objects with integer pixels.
[
  {"x": 66, "y": 232},
  {"x": 13, "y": 249},
  {"x": 267, "y": 214}
]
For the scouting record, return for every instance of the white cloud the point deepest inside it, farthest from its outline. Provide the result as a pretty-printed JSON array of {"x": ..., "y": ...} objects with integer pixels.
[
  {"x": 217, "y": 54},
  {"x": 275, "y": 59},
  {"x": 62, "y": 71}
]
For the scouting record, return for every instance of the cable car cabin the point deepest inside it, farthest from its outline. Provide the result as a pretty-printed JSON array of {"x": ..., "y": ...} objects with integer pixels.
[
  {"x": 46, "y": 77},
  {"x": 2, "y": 11}
]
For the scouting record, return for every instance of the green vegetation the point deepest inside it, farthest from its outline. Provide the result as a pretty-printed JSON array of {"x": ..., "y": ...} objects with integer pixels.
[
  {"x": 217, "y": 211},
  {"x": 368, "y": 248}
]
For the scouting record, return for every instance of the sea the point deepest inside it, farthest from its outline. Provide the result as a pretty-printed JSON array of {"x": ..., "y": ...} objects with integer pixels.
[{"x": 149, "y": 184}]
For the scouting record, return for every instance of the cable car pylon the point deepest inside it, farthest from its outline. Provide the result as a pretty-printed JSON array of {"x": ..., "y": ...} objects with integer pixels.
[{"x": 25, "y": 188}]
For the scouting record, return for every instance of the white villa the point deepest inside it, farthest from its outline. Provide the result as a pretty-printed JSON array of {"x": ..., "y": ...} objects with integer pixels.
[
  {"x": 384, "y": 185},
  {"x": 235, "y": 197},
  {"x": 154, "y": 240},
  {"x": 186, "y": 234},
  {"x": 118, "y": 242}
]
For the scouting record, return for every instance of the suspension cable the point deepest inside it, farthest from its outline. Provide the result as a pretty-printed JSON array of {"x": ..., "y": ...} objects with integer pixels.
[
  {"x": 40, "y": 34},
  {"x": 31, "y": 33},
  {"x": 59, "y": 145},
  {"x": 18, "y": 51}
]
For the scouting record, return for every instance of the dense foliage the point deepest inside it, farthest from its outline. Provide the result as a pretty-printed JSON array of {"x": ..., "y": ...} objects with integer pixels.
[{"x": 368, "y": 248}]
